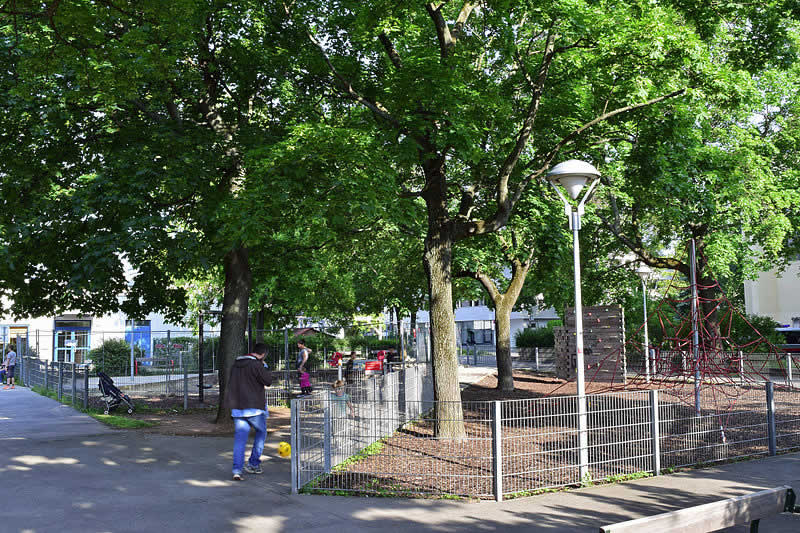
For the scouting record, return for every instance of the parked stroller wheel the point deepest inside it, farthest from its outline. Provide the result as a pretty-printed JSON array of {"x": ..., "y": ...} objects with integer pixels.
[
  {"x": 130, "y": 411},
  {"x": 105, "y": 412}
]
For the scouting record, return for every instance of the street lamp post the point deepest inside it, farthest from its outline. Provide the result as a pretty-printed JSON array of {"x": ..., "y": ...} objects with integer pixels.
[
  {"x": 644, "y": 273},
  {"x": 572, "y": 175}
]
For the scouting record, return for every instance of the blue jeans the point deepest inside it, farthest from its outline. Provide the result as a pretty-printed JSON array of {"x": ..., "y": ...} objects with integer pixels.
[{"x": 242, "y": 427}]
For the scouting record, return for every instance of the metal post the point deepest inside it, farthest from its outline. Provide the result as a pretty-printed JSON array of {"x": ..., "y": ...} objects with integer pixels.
[
  {"x": 133, "y": 361},
  {"x": 789, "y": 369},
  {"x": 741, "y": 366},
  {"x": 74, "y": 383},
  {"x": 536, "y": 356},
  {"x": 771, "y": 436},
  {"x": 286, "y": 358},
  {"x": 169, "y": 358},
  {"x": 655, "y": 437},
  {"x": 85, "y": 388},
  {"x": 583, "y": 435},
  {"x": 60, "y": 388},
  {"x": 695, "y": 327},
  {"x": 402, "y": 346},
  {"x": 326, "y": 438},
  {"x": 200, "y": 362},
  {"x": 46, "y": 375},
  {"x": 185, "y": 385},
  {"x": 295, "y": 438},
  {"x": 497, "y": 451},
  {"x": 646, "y": 350}
]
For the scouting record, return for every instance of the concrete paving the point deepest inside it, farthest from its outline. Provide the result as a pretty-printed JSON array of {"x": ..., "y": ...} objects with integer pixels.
[{"x": 64, "y": 472}]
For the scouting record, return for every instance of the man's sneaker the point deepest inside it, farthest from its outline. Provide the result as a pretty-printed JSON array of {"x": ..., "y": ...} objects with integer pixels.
[
  {"x": 253, "y": 469},
  {"x": 6, "y": 387},
  {"x": 237, "y": 477}
]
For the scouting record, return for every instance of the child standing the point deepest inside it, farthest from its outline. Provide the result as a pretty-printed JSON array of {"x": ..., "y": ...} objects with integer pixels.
[{"x": 340, "y": 400}]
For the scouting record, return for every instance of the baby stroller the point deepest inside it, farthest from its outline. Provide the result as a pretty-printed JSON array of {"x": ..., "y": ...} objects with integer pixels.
[{"x": 112, "y": 395}]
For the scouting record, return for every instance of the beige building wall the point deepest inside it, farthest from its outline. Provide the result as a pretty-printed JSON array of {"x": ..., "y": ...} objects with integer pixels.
[{"x": 775, "y": 295}]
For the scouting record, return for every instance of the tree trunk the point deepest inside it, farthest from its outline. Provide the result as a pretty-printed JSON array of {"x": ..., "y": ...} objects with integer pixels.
[
  {"x": 709, "y": 316},
  {"x": 502, "y": 328},
  {"x": 260, "y": 325},
  {"x": 238, "y": 282},
  {"x": 438, "y": 266}
]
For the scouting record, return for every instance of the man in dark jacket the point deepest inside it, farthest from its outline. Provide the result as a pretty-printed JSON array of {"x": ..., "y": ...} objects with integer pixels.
[{"x": 247, "y": 402}]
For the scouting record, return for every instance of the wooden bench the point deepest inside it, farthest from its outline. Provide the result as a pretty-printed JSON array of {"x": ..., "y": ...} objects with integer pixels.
[{"x": 713, "y": 516}]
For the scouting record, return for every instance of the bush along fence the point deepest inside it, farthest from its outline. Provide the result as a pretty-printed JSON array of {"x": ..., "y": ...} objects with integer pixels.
[{"x": 513, "y": 448}]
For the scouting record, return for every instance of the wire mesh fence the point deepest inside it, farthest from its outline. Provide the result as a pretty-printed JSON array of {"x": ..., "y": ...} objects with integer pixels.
[
  {"x": 539, "y": 359},
  {"x": 68, "y": 381},
  {"x": 389, "y": 444},
  {"x": 150, "y": 363}
]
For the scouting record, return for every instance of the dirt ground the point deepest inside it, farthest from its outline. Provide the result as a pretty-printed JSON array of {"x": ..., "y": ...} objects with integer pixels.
[{"x": 171, "y": 419}]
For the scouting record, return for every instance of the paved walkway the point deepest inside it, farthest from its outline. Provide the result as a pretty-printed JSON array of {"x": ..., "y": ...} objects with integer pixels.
[{"x": 64, "y": 472}]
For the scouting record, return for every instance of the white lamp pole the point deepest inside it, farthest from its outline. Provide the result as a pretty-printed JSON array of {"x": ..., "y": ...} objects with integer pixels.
[
  {"x": 572, "y": 175},
  {"x": 644, "y": 273}
]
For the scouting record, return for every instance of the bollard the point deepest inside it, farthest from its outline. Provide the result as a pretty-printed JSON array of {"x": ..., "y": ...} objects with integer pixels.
[
  {"x": 789, "y": 369},
  {"x": 536, "y": 356},
  {"x": 46, "y": 376}
]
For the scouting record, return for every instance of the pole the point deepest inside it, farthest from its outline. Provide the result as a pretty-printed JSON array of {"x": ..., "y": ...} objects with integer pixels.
[
  {"x": 646, "y": 351},
  {"x": 655, "y": 437},
  {"x": 695, "y": 326},
  {"x": 286, "y": 358},
  {"x": 200, "y": 340},
  {"x": 789, "y": 369},
  {"x": 132, "y": 358},
  {"x": 583, "y": 436}
]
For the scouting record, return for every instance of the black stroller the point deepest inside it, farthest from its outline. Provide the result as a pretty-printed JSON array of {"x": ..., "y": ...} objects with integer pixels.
[{"x": 112, "y": 395}]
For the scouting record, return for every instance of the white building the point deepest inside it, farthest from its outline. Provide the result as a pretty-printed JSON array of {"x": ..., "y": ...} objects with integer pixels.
[
  {"x": 775, "y": 295},
  {"x": 475, "y": 323},
  {"x": 69, "y": 336}
]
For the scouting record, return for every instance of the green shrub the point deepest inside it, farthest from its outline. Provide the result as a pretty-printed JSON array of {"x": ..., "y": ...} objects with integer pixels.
[
  {"x": 535, "y": 337},
  {"x": 114, "y": 357}
]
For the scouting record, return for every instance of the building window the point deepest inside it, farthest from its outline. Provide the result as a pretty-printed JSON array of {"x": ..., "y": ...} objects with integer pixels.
[{"x": 71, "y": 340}]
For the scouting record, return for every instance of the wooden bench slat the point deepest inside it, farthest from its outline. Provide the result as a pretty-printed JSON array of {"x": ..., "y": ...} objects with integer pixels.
[{"x": 710, "y": 516}]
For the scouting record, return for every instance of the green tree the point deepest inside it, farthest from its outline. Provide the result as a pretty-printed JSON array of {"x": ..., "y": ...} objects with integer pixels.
[
  {"x": 474, "y": 101},
  {"x": 502, "y": 261},
  {"x": 709, "y": 169}
]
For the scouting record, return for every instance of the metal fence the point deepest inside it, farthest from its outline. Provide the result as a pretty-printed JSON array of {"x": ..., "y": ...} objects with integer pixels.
[
  {"x": 517, "y": 447},
  {"x": 728, "y": 366},
  {"x": 68, "y": 381},
  {"x": 76, "y": 383},
  {"x": 539, "y": 359},
  {"x": 328, "y": 430}
]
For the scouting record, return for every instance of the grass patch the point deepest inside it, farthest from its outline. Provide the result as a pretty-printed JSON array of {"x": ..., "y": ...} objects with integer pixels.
[
  {"x": 121, "y": 422},
  {"x": 116, "y": 421},
  {"x": 373, "y": 449}
]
